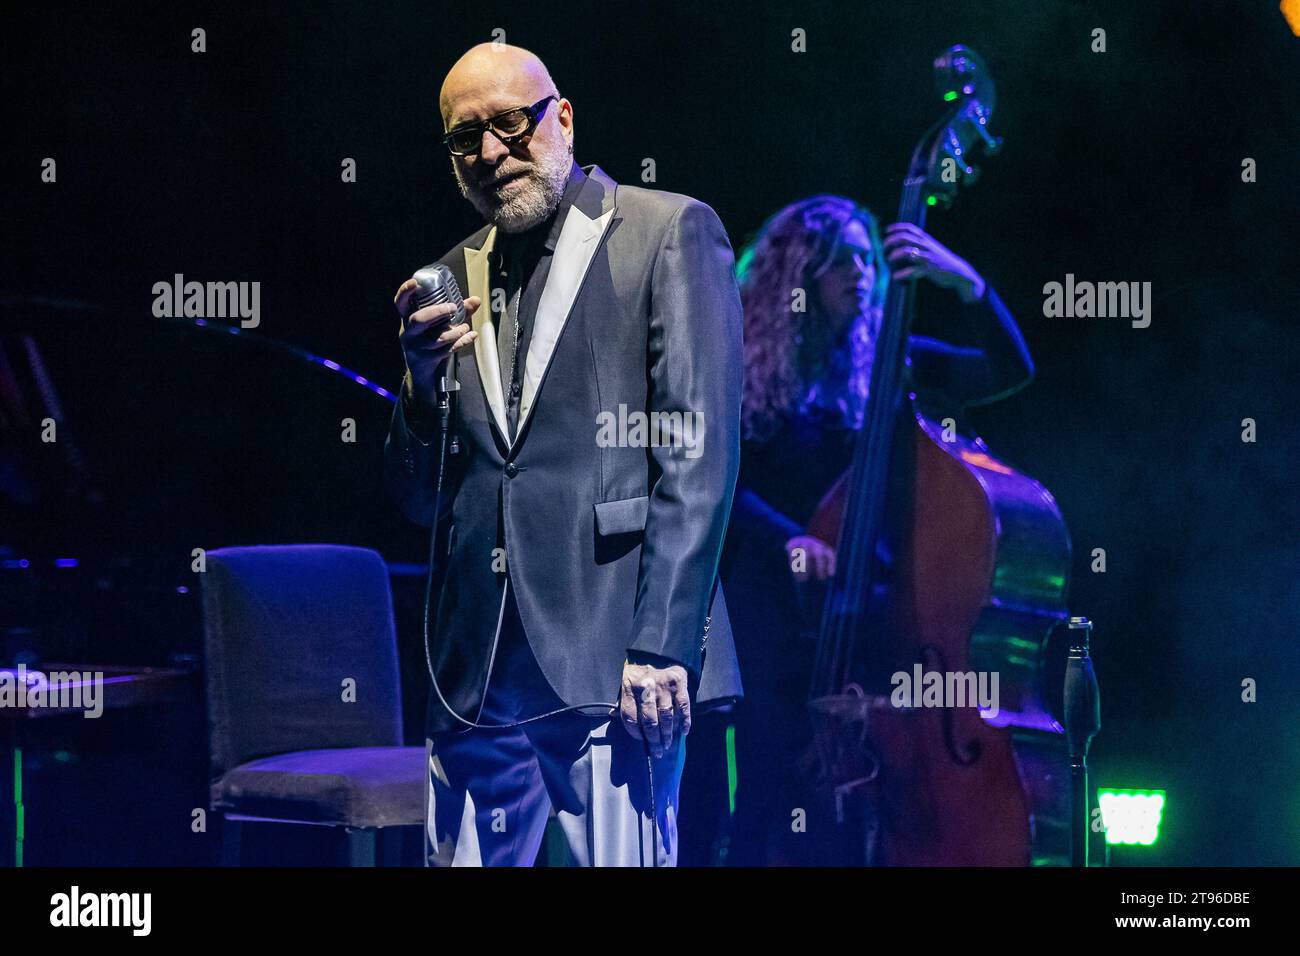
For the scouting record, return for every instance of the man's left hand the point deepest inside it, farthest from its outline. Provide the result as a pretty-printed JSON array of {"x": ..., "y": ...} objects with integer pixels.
[
  {"x": 912, "y": 253},
  {"x": 655, "y": 704}
]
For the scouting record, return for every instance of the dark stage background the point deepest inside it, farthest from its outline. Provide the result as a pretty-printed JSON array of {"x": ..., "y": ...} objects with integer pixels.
[{"x": 1117, "y": 166}]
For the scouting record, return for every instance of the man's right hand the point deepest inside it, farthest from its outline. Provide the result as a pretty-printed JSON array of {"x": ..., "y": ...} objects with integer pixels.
[{"x": 427, "y": 340}]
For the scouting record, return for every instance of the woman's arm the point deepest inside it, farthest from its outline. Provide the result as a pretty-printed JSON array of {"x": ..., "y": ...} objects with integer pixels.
[
  {"x": 997, "y": 366},
  {"x": 999, "y": 363},
  {"x": 757, "y": 524}
]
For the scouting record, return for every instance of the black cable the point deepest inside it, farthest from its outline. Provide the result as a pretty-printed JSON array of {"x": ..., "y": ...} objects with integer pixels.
[{"x": 654, "y": 815}]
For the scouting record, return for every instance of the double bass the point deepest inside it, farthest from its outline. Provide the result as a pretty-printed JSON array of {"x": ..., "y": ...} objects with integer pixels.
[{"x": 950, "y": 559}]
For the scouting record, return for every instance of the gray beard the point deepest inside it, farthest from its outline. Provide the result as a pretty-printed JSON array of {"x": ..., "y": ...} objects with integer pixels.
[{"x": 543, "y": 188}]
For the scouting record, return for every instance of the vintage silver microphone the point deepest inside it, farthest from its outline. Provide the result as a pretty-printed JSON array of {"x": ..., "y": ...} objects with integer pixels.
[{"x": 437, "y": 286}]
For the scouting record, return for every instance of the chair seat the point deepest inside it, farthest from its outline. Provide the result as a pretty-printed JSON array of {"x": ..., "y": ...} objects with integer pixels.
[{"x": 355, "y": 786}]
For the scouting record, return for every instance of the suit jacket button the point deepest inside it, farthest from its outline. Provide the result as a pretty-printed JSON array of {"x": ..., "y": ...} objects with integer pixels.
[{"x": 511, "y": 469}]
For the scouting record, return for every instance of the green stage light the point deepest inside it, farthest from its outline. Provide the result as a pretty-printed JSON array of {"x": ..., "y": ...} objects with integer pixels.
[
  {"x": 731, "y": 769},
  {"x": 1131, "y": 817}
]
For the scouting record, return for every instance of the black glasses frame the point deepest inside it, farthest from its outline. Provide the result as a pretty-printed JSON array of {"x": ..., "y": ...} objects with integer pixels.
[{"x": 534, "y": 114}]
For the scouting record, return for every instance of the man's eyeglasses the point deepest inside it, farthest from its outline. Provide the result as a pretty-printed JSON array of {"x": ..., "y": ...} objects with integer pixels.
[{"x": 510, "y": 127}]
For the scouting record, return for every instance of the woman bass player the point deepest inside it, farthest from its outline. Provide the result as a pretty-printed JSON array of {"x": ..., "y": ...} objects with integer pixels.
[{"x": 813, "y": 284}]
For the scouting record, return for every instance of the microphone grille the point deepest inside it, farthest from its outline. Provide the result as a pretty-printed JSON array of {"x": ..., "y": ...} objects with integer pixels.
[
  {"x": 453, "y": 290},
  {"x": 436, "y": 286}
]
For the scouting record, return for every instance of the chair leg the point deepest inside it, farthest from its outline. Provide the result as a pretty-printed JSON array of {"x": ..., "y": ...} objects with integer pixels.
[
  {"x": 231, "y": 838},
  {"x": 361, "y": 846}
]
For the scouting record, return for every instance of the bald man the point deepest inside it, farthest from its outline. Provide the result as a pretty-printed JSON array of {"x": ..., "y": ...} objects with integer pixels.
[{"x": 596, "y": 430}]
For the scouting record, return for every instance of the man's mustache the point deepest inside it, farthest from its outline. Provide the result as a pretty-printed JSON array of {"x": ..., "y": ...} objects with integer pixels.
[{"x": 499, "y": 176}]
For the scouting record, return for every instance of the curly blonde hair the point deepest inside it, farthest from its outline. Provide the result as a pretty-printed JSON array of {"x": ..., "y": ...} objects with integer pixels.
[{"x": 791, "y": 363}]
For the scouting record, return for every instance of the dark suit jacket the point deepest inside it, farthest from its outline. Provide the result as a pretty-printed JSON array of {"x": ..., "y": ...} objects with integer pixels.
[{"x": 609, "y": 549}]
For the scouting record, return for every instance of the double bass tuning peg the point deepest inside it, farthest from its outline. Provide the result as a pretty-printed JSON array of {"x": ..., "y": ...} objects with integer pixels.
[{"x": 992, "y": 144}]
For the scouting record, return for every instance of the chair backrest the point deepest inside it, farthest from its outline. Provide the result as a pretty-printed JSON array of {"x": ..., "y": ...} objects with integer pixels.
[{"x": 287, "y": 627}]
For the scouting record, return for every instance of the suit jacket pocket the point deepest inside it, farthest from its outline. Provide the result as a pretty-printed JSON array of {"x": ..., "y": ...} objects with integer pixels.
[{"x": 621, "y": 517}]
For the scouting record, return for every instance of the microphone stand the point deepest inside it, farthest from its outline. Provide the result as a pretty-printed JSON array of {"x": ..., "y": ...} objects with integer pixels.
[
  {"x": 447, "y": 384},
  {"x": 1082, "y": 721}
]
